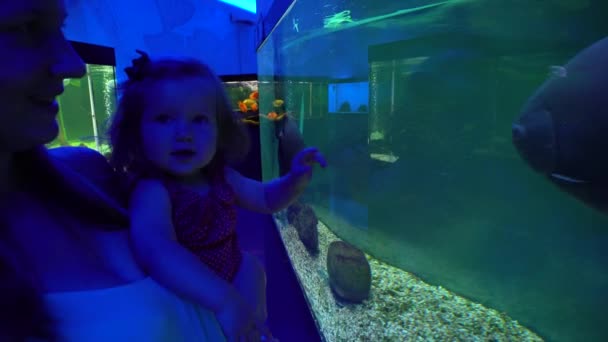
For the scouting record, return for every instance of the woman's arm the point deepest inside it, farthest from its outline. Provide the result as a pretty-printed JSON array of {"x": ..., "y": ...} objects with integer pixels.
[
  {"x": 277, "y": 194},
  {"x": 157, "y": 249}
]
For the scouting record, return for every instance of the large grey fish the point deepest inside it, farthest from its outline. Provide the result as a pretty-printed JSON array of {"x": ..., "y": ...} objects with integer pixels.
[{"x": 562, "y": 131}]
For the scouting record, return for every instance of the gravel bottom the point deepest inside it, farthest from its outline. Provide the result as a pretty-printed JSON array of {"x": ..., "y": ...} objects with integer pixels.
[{"x": 401, "y": 307}]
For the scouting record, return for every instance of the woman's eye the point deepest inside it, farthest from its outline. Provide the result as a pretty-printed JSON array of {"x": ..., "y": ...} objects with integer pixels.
[
  {"x": 201, "y": 119},
  {"x": 32, "y": 31},
  {"x": 163, "y": 118},
  {"x": 28, "y": 28}
]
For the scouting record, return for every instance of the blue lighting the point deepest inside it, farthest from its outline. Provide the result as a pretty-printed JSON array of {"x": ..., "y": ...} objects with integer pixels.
[
  {"x": 247, "y": 5},
  {"x": 348, "y": 97}
]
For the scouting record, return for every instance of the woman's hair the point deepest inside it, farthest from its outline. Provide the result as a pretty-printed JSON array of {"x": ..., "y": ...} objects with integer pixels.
[{"x": 125, "y": 127}]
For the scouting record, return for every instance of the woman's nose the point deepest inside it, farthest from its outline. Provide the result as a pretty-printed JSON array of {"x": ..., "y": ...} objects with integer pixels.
[{"x": 66, "y": 62}]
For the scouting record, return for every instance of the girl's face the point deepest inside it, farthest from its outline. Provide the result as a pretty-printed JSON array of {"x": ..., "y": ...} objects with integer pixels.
[
  {"x": 179, "y": 128},
  {"x": 35, "y": 57}
]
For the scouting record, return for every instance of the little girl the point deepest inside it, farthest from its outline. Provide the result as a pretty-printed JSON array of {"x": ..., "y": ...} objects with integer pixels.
[{"x": 173, "y": 135}]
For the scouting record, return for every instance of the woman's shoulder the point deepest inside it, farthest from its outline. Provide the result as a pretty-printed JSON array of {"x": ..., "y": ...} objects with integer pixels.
[
  {"x": 73, "y": 154},
  {"x": 87, "y": 176},
  {"x": 85, "y": 161}
]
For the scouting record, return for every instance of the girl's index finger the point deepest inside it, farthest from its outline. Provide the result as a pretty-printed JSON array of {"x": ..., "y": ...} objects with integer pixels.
[{"x": 320, "y": 159}]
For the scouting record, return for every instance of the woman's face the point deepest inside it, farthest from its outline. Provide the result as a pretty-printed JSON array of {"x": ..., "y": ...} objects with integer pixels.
[{"x": 35, "y": 57}]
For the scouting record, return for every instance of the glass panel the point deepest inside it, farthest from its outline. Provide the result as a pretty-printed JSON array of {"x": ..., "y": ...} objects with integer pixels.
[
  {"x": 464, "y": 240},
  {"x": 85, "y": 108}
]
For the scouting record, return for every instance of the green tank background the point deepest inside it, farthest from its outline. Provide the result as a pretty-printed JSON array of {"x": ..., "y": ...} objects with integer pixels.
[
  {"x": 75, "y": 114},
  {"x": 239, "y": 91},
  {"x": 458, "y": 207}
]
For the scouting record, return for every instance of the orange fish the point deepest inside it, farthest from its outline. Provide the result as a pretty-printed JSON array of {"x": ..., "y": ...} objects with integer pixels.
[
  {"x": 249, "y": 102},
  {"x": 254, "y": 95},
  {"x": 272, "y": 115},
  {"x": 254, "y": 106},
  {"x": 242, "y": 107},
  {"x": 251, "y": 122}
]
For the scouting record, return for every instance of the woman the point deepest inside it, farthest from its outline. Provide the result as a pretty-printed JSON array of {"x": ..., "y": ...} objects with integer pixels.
[{"x": 66, "y": 270}]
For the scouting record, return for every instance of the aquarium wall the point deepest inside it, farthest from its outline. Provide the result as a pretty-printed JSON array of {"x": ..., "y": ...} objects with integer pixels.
[
  {"x": 427, "y": 224},
  {"x": 269, "y": 12},
  {"x": 220, "y": 34}
]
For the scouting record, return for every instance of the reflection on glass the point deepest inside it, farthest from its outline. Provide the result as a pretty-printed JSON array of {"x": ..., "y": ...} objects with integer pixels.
[{"x": 348, "y": 97}]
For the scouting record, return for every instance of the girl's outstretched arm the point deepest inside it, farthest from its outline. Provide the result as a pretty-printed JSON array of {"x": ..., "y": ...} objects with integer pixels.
[
  {"x": 158, "y": 251},
  {"x": 277, "y": 194}
]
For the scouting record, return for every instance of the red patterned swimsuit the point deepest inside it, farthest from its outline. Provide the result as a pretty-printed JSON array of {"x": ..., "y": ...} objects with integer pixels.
[{"x": 205, "y": 224}]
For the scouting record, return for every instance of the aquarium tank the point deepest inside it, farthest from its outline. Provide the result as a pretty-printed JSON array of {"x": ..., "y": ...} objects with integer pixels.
[
  {"x": 426, "y": 224},
  {"x": 238, "y": 91},
  {"x": 243, "y": 96},
  {"x": 85, "y": 108}
]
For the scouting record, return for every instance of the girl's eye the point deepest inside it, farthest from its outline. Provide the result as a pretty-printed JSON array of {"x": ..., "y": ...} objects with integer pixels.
[
  {"x": 162, "y": 118},
  {"x": 201, "y": 119}
]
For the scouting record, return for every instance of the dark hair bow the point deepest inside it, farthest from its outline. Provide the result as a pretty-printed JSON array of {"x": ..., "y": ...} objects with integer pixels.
[{"x": 136, "y": 71}]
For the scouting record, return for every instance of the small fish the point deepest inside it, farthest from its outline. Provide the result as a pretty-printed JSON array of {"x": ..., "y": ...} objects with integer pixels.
[
  {"x": 566, "y": 178},
  {"x": 242, "y": 107},
  {"x": 558, "y": 71},
  {"x": 249, "y": 102},
  {"x": 295, "y": 23},
  {"x": 90, "y": 138},
  {"x": 74, "y": 82}
]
